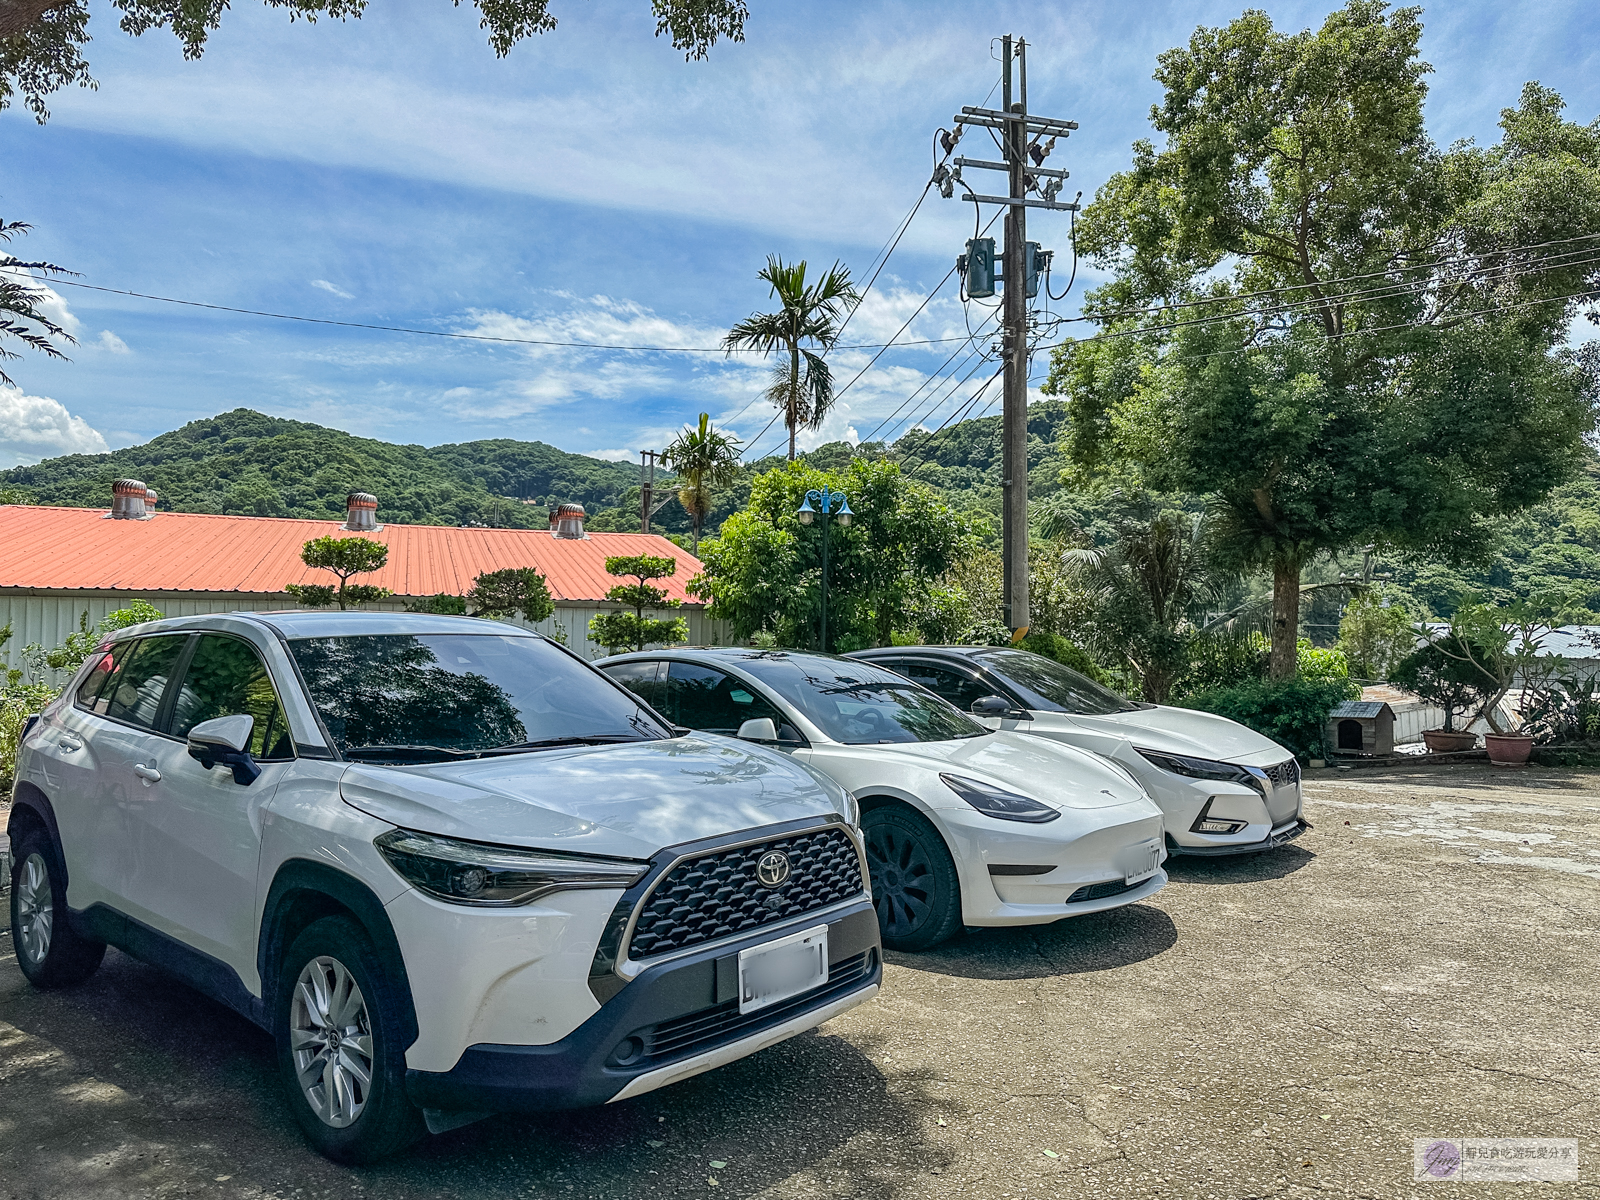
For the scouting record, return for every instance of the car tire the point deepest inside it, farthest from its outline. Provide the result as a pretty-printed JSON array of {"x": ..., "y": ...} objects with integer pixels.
[
  {"x": 914, "y": 885},
  {"x": 336, "y": 1018},
  {"x": 50, "y": 952}
]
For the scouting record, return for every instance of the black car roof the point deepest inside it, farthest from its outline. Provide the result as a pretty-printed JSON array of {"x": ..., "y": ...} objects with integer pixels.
[{"x": 912, "y": 651}]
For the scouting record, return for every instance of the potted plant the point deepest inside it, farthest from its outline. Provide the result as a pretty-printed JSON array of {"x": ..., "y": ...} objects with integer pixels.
[
  {"x": 1501, "y": 647},
  {"x": 1448, "y": 681}
]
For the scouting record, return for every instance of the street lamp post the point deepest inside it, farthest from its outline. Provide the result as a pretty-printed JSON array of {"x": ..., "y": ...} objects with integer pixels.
[{"x": 828, "y": 504}]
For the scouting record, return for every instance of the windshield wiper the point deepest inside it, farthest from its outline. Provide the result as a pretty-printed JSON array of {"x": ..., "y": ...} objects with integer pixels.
[
  {"x": 573, "y": 739},
  {"x": 409, "y": 752}
]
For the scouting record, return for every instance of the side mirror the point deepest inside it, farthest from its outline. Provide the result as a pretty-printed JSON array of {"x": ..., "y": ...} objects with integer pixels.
[
  {"x": 758, "y": 729},
  {"x": 997, "y": 708},
  {"x": 226, "y": 740}
]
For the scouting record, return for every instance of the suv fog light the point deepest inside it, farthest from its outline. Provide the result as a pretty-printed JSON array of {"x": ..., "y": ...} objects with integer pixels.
[{"x": 628, "y": 1050}]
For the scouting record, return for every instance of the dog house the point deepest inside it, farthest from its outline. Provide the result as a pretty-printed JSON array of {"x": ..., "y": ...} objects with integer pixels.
[{"x": 1361, "y": 727}]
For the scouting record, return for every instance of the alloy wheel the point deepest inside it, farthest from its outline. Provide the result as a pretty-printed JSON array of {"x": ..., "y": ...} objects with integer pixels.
[
  {"x": 902, "y": 879},
  {"x": 36, "y": 912},
  {"x": 330, "y": 1036}
]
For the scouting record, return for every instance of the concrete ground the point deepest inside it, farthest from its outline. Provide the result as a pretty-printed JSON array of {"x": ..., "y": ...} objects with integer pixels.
[{"x": 1422, "y": 964}]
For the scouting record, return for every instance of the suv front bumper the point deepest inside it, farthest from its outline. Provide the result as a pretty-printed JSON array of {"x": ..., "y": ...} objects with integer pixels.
[{"x": 674, "y": 1020}]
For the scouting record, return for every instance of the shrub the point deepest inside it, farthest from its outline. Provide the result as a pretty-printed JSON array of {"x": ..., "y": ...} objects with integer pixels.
[
  {"x": 1292, "y": 712},
  {"x": 1065, "y": 652}
]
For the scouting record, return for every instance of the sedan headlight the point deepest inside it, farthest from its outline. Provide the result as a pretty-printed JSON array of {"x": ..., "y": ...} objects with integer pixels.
[
  {"x": 1205, "y": 768},
  {"x": 497, "y": 876},
  {"x": 995, "y": 802}
]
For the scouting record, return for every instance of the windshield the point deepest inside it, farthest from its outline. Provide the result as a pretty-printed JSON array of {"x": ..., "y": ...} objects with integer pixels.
[
  {"x": 432, "y": 696},
  {"x": 1048, "y": 686},
  {"x": 858, "y": 704}
]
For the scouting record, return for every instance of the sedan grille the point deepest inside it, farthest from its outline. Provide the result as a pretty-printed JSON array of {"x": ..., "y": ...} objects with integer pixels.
[
  {"x": 1284, "y": 773},
  {"x": 717, "y": 895}
]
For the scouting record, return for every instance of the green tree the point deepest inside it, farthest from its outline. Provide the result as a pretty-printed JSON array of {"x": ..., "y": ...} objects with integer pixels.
[
  {"x": 1370, "y": 348},
  {"x": 706, "y": 460},
  {"x": 802, "y": 383},
  {"x": 346, "y": 557},
  {"x": 1376, "y": 632},
  {"x": 763, "y": 572},
  {"x": 634, "y": 631},
  {"x": 20, "y": 298},
  {"x": 41, "y": 41},
  {"x": 511, "y": 592}
]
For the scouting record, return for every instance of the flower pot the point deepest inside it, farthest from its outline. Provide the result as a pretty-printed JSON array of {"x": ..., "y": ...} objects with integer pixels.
[
  {"x": 1447, "y": 741},
  {"x": 1508, "y": 749}
]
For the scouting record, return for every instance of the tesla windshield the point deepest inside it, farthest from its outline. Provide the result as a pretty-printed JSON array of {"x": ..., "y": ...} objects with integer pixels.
[
  {"x": 1048, "y": 686},
  {"x": 427, "y": 697},
  {"x": 858, "y": 704}
]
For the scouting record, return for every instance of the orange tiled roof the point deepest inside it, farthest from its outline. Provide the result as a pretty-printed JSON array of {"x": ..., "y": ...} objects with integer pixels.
[{"x": 79, "y": 549}]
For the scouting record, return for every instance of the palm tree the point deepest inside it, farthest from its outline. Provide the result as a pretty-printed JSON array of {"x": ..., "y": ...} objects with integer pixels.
[
  {"x": 705, "y": 459},
  {"x": 802, "y": 384}
]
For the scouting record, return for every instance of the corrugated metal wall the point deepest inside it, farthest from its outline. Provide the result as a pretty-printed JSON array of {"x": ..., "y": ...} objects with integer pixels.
[{"x": 47, "y": 618}]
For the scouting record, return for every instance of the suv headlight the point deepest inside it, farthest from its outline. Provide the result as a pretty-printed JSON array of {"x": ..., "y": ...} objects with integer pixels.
[
  {"x": 1205, "y": 768},
  {"x": 497, "y": 876},
  {"x": 996, "y": 802},
  {"x": 852, "y": 809}
]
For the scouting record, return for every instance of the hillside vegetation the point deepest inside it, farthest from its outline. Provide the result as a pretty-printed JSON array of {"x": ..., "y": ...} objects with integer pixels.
[{"x": 245, "y": 463}]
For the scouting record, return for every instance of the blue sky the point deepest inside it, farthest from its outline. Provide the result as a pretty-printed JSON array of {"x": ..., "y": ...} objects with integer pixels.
[{"x": 591, "y": 187}]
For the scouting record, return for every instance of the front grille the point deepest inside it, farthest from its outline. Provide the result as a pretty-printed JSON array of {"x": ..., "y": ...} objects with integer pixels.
[
  {"x": 1100, "y": 891},
  {"x": 1284, "y": 773},
  {"x": 710, "y": 1027},
  {"x": 717, "y": 895}
]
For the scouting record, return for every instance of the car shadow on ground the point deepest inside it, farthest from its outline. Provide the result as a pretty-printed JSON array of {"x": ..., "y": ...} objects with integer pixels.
[
  {"x": 1094, "y": 942},
  {"x": 135, "y": 1084},
  {"x": 1238, "y": 868}
]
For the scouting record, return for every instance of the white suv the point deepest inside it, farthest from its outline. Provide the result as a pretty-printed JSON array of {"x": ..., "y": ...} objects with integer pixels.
[{"x": 448, "y": 865}]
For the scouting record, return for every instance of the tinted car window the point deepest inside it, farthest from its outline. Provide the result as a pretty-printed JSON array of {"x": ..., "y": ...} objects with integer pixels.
[
  {"x": 134, "y": 693},
  {"x": 226, "y": 677},
  {"x": 643, "y": 679},
  {"x": 460, "y": 692},
  {"x": 702, "y": 698},
  {"x": 955, "y": 686},
  {"x": 1046, "y": 685},
  {"x": 859, "y": 704},
  {"x": 92, "y": 693}
]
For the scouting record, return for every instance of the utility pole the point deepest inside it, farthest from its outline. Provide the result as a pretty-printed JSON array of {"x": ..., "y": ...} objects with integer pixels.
[
  {"x": 1022, "y": 137},
  {"x": 647, "y": 483}
]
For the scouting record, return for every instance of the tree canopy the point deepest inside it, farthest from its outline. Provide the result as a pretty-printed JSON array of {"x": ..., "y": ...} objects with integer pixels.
[
  {"x": 42, "y": 41},
  {"x": 1342, "y": 334}
]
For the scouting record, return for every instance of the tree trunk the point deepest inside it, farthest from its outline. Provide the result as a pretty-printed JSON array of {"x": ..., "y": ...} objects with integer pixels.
[{"x": 1285, "y": 618}]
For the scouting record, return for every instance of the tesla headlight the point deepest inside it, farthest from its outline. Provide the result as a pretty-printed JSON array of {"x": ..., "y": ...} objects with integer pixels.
[
  {"x": 1204, "y": 768},
  {"x": 497, "y": 876},
  {"x": 996, "y": 802}
]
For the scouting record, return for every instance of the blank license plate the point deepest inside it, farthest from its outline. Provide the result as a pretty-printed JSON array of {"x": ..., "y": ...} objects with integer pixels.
[
  {"x": 1147, "y": 864},
  {"x": 777, "y": 970}
]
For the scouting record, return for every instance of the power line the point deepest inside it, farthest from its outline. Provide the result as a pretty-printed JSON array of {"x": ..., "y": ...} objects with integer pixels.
[{"x": 469, "y": 337}]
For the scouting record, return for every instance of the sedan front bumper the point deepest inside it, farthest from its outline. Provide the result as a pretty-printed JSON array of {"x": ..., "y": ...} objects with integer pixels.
[{"x": 1280, "y": 836}]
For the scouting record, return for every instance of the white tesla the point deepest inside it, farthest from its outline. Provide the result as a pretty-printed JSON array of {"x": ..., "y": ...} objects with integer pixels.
[{"x": 963, "y": 825}]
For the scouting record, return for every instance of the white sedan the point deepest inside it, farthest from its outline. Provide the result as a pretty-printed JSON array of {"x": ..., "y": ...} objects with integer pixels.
[
  {"x": 1225, "y": 789},
  {"x": 963, "y": 825}
]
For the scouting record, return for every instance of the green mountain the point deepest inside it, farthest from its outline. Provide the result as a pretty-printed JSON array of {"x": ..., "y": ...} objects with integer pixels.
[{"x": 242, "y": 462}]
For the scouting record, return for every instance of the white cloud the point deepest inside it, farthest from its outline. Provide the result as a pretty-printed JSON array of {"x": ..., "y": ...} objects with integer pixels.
[
  {"x": 613, "y": 455},
  {"x": 328, "y": 287},
  {"x": 111, "y": 343},
  {"x": 36, "y": 427}
]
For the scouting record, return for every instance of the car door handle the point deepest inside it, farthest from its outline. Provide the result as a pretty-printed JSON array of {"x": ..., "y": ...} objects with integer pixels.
[
  {"x": 70, "y": 744},
  {"x": 149, "y": 774}
]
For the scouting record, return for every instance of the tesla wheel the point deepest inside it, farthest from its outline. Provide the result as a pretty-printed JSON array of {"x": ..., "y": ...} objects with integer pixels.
[
  {"x": 914, "y": 884},
  {"x": 336, "y": 1022},
  {"x": 50, "y": 953}
]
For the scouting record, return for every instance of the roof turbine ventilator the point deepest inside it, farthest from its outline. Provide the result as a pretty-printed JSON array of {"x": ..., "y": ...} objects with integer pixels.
[
  {"x": 361, "y": 513},
  {"x": 151, "y": 499},
  {"x": 128, "y": 501},
  {"x": 566, "y": 521}
]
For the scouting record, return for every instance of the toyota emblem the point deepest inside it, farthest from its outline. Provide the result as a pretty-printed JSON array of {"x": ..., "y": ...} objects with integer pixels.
[{"x": 773, "y": 870}]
